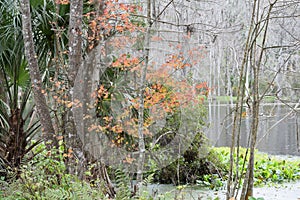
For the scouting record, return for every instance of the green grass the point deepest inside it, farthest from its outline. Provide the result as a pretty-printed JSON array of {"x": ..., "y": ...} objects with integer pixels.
[
  {"x": 269, "y": 99},
  {"x": 225, "y": 98}
]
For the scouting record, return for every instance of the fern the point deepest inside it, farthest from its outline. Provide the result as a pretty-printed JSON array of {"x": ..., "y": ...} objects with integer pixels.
[
  {"x": 59, "y": 194},
  {"x": 83, "y": 191},
  {"x": 122, "y": 183},
  {"x": 77, "y": 191},
  {"x": 149, "y": 179}
]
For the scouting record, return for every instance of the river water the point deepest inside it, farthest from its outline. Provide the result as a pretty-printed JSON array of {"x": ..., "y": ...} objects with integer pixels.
[
  {"x": 286, "y": 191},
  {"x": 279, "y": 127}
]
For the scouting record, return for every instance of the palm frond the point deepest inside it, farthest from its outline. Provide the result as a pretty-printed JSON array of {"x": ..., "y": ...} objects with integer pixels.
[
  {"x": 32, "y": 130},
  {"x": 4, "y": 114}
]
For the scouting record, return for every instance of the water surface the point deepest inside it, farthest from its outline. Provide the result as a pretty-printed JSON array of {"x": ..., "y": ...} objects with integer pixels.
[{"x": 279, "y": 127}]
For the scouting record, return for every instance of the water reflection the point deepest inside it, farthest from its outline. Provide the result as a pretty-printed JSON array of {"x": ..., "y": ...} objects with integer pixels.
[{"x": 278, "y": 129}]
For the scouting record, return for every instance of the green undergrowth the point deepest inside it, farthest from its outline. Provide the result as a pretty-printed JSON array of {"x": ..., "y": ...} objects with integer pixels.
[
  {"x": 45, "y": 177},
  {"x": 267, "y": 169}
]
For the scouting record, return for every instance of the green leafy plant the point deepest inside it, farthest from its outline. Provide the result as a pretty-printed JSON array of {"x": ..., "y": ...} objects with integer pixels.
[
  {"x": 253, "y": 198},
  {"x": 122, "y": 185},
  {"x": 267, "y": 169},
  {"x": 17, "y": 122},
  {"x": 45, "y": 177},
  {"x": 213, "y": 181}
]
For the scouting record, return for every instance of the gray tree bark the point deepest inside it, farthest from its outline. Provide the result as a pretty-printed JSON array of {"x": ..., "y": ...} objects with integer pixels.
[
  {"x": 75, "y": 40},
  {"x": 80, "y": 143},
  {"x": 141, "y": 99},
  {"x": 36, "y": 81},
  {"x": 75, "y": 61}
]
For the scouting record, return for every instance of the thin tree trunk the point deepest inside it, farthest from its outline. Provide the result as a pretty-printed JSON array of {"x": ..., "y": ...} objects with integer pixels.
[
  {"x": 36, "y": 81},
  {"x": 75, "y": 61},
  {"x": 256, "y": 65},
  {"x": 141, "y": 100},
  {"x": 79, "y": 142},
  {"x": 237, "y": 115}
]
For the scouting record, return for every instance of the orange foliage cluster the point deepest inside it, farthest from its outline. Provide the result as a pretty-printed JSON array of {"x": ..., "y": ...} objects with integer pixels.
[
  {"x": 59, "y": 93},
  {"x": 62, "y": 2},
  {"x": 102, "y": 92},
  {"x": 182, "y": 91},
  {"x": 160, "y": 95},
  {"x": 69, "y": 153},
  {"x": 164, "y": 93},
  {"x": 125, "y": 62},
  {"x": 202, "y": 88},
  {"x": 176, "y": 62},
  {"x": 122, "y": 41},
  {"x": 114, "y": 17}
]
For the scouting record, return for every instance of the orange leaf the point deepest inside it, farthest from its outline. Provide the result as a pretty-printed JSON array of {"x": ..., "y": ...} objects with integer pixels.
[{"x": 69, "y": 105}]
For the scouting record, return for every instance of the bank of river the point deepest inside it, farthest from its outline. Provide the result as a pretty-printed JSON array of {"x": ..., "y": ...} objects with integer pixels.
[{"x": 285, "y": 191}]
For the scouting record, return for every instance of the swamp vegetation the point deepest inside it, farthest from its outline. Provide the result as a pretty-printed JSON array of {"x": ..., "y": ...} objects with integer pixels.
[
  {"x": 100, "y": 99},
  {"x": 44, "y": 177}
]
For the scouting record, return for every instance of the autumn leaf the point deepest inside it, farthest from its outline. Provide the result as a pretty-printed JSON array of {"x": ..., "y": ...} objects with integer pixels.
[
  {"x": 244, "y": 114},
  {"x": 62, "y": 2},
  {"x": 69, "y": 105},
  {"x": 128, "y": 160},
  {"x": 93, "y": 24},
  {"x": 60, "y": 137}
]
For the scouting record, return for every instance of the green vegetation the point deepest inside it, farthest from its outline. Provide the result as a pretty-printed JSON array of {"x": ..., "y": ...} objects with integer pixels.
[
  {"x": 212, "y": 170},
  {"x": 253, "y": 198},
  {"x": 269, "y": 99},
  {"x": 225, "y": 98},
  {"x": 193, "y": 165},
  {"x": 44, "y": 177},
  {"x": 94, "y": 74},
  {"x": 268, "y": 169}
]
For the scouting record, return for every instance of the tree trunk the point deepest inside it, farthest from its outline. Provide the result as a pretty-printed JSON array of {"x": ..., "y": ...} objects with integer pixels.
[
  {"x": 75, "y": 61},
  {"x": 232, "y": 190},
  {"x": 75, "y": 40},
  {"x": 141, "y": 99},
  {"x": 79, "y": 142},
  {"x": 256, "y": 64},
  {"x": 36, "y": 81}
]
